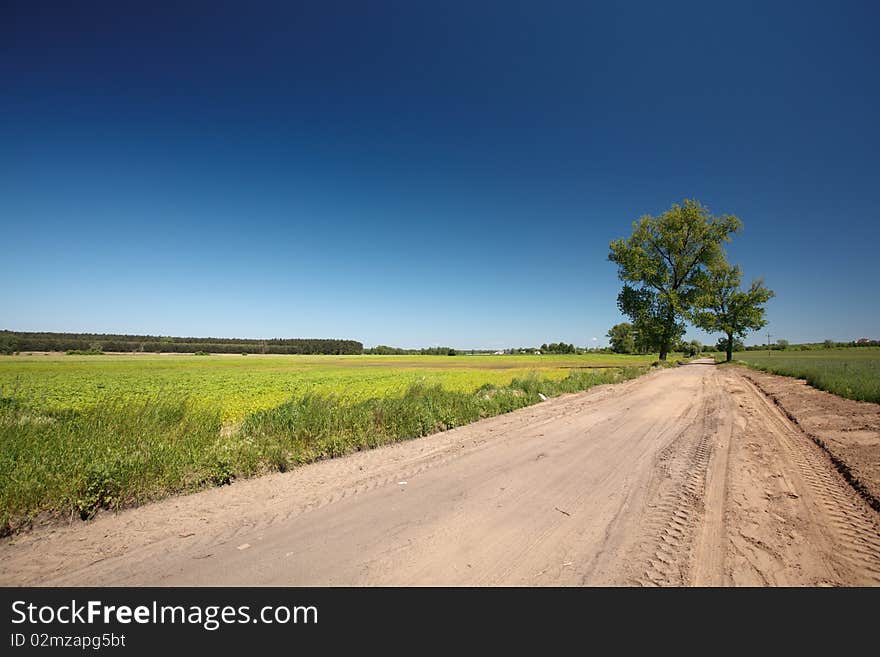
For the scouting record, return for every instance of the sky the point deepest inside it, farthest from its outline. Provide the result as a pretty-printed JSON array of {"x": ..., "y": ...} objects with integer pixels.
[{"x": 421, "y": 173}]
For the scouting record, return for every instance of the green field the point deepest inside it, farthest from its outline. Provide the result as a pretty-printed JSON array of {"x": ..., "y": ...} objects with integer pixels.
[
  {"x": 80, "y": 433},
  {"x": 852, "y": 373},
  {"x": 238, "y": 385}
]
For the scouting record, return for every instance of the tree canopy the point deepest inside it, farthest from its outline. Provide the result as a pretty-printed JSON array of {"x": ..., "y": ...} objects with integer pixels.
[
  {"x": 722, "y": 307},
  {"x": 622, "y": 338},
  {"x": 663, "y": 263}
]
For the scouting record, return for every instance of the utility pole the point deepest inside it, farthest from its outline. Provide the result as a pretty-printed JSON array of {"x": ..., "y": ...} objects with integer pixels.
[{"x": 768, "y": 343}]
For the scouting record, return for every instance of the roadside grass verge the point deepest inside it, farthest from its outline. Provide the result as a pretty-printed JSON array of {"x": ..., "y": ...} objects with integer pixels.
[
  {"x": 851, "y": 375},
  {"x": 120, "y": 453},
  {"x": 115, "y": 454}
]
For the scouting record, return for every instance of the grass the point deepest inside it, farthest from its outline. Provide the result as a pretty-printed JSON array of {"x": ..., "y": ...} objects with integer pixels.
[
  {"x": 240, "y": 385},
  {"x": 108, "y": 456},
  {"x": 77, "y": 436},
  {"x": 852, "y": 373}
]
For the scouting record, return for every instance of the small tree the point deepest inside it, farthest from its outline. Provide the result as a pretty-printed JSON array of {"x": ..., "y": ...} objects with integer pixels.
[
  {"x": 622, "y": 338},
  {"x": 721, "y": 306},
  {"x": 8, "y": 344},
  {"x": 782, "y": 344},
  {"x": 828, "y": 344},
  {"x": 665, "y": 256}
]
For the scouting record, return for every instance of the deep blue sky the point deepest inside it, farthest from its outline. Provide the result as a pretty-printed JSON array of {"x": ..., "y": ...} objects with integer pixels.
[{"x": 417, "y": 173}]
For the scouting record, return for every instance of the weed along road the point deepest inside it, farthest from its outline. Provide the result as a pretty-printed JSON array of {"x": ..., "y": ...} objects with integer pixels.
[{"x": 685, "y": 476}]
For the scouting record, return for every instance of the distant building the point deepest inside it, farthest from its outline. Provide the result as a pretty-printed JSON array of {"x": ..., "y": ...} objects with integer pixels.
[
  {"x": 499, "y": 353},
  {"x": 864, "y": 340}
]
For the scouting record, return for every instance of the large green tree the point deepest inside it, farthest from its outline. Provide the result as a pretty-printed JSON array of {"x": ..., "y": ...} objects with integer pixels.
[
  {"x": 662, "y": 264},
  {"x": 722, "y": 307}
]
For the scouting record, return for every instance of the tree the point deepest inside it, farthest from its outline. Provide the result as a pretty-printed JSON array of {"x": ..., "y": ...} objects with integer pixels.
[
  {"x": 722, "y": 307},
  {"x": 558, "y": 348},
  {"x": 782, "y": 344},
  {"x": 689, "y": 348},
  {"x": 622, "y": 338},
  {"x": 665, "y": 257},
  {"x": 649, "y": 312},
  {"x": 8, "y": 343},
  {"x": 722, "y": 344},
  {"x": 828, "y": 344}
]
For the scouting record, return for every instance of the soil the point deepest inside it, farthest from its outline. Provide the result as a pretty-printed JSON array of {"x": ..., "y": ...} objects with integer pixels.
[
  {"x": 849, "y": 430},
  {"x": 685, "y": 476}
]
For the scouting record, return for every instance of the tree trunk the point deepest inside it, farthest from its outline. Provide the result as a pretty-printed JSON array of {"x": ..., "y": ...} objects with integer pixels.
[
  {"x": 729, "y": 347},
  {"x": 667, "y": 333}
]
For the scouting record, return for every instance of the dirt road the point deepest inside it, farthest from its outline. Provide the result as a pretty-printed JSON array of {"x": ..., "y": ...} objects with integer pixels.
[{"x": 687, "y": 476}]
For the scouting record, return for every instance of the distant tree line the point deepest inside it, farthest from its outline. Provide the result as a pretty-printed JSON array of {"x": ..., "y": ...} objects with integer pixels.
[
  {"x": 624, "y": 338},
  {"x": 384, "y": 350},
  {"x": 438, "y": 351},
  {"x": 784, "y": 345},
  {"x": 558, "y": 348},
  {"x": 13, "y": 341},
  {"x": 552, "y": 348}
]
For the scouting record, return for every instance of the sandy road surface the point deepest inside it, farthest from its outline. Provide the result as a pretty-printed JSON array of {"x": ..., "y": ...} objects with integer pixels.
[{"x": 685, "y": 476}]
